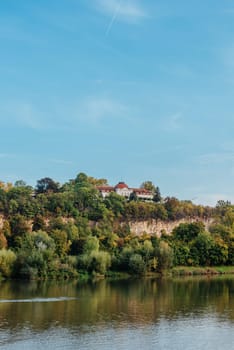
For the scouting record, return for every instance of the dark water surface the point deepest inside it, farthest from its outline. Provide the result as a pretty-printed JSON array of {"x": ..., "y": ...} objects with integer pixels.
[{"x": 191, "y": 313}]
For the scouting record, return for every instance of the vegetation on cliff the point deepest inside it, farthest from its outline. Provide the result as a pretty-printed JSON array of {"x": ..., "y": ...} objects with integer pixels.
[{"x": 61, "y": 231}]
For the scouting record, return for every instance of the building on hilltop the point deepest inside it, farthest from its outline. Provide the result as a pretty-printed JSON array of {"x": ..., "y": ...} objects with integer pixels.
[{"x": 123, "y": 190}]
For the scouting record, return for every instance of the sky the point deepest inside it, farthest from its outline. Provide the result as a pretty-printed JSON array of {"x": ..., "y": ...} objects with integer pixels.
[{"x": 127, "y": 90}]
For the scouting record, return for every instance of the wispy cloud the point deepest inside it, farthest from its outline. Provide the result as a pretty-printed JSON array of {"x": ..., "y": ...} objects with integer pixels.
[
  {"x": 61, "y": 161},
  {"x": 21, "y": 113},
  {"x": 113, "y": 19},
  {"x": 126, "y": 11},
  {"x": 96, "y": 109},
  {"x": 216, "y": 158},
  {"x": 172, "y": 123},
  {"x": 6, "y": 155}
]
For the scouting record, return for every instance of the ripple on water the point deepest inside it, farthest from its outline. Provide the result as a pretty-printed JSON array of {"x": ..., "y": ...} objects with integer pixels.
[{"x": 37, "y": 300}]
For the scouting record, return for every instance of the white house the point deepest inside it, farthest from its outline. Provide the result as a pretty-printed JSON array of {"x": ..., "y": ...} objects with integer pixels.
[{"x": 123, "y": 190}]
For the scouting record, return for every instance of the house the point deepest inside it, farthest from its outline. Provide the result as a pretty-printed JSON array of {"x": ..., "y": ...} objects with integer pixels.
[{"x": 122, "y": 189}]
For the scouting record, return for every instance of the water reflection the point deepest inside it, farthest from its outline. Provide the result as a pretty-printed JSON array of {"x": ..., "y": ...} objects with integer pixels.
[{"x": 58, "y": 308}]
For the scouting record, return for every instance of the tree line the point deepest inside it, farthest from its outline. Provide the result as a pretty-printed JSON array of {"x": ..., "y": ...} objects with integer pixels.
[{"x": 66, "y": 230}]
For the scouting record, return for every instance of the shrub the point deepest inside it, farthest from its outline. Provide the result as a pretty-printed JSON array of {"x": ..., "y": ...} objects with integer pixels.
[
  {"x": 137, "y": 264},
  {"x": 7, "y": 260}
]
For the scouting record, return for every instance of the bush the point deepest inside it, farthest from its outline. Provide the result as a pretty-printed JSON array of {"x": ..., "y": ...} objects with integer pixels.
[
  {"x": 137, "y": 264},
  {"x": 7, "y": 260},
  {"x": 96, "y": 261}
]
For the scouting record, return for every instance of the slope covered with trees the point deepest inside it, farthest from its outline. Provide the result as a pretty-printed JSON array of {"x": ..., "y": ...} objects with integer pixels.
[{"x": 61, "y": 231}]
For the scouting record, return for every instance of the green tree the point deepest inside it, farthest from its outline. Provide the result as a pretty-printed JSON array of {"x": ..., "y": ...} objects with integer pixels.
[
  {"x": 7, "y": 260},
  {"x": 188, "y": 231},
  {"x": 115, "y": 203},
  {"x": 165, "y": 256},
  {"x": 149, "y": 186},
  {"x": 62, "y": 244},
  {"x": 46, "y": 185},
  {"x": 136, "y": 264},
  {"x": 201, "y": 248},
  {"x": 36, "y": 256},
  {"x": 157, "y": 195},
  {"x": 133, "y": 197}
]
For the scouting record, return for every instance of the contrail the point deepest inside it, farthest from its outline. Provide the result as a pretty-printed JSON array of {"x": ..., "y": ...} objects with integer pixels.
[{"x": 113, "y": 19}]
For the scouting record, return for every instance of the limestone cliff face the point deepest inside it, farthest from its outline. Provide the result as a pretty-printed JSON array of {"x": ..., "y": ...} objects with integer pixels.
[{"x": 155, "y": 227}]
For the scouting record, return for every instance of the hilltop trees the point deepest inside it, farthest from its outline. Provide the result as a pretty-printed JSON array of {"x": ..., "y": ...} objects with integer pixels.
[
  {"x": 46, "y": 185},
  {"x": 148, "y": 185},
  {"x": 58, "y": 231}
]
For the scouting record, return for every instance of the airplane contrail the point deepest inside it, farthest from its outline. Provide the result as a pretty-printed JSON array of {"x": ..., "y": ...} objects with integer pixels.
[{"x": 113, "y": 19}]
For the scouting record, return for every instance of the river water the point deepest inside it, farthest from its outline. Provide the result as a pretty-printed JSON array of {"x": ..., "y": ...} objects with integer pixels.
[{"x": 185, "y": 313}]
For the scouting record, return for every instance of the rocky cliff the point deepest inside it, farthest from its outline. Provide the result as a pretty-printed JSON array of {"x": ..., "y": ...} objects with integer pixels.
[{"x": 156, "y": 227}]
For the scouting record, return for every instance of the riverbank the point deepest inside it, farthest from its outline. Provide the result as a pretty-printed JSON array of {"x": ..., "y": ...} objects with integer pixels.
[
  {"x": 174, "y": 272},
  {"x": 198, "y": 270}
]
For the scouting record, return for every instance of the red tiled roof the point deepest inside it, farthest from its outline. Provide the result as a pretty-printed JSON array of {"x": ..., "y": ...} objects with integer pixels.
[
  {"x": 141, "y": 190},
  {"x": 121, "y": 185}
]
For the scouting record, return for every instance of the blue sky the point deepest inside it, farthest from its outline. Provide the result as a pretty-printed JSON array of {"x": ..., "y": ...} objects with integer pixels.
[{"x": 122, "y": 89}]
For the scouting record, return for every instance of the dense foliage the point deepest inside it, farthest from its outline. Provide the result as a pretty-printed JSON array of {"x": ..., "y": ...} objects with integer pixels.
[{"x": 61, "y": 231}]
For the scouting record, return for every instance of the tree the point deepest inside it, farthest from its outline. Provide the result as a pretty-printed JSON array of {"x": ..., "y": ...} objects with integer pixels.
[
  {"x": 92, "y": 259},
  {"x": 62, "y": 243},
  {"x": 157, "y": 195},
  {"x": 149, "y": 186},
  {"x": 99, "y": 262},
  {"x": 97, "y": 182},
  {"x": 35, "y": 256},
  {"x": 115, "y": 203},
  {"x": 46, "y": 185},
  {"x": 188, "y": 231},
  {"x": 20, "y": 201},
  {"x": 7, "y": 260},
  {"x": 20, "y": 183},
  {"x": 81, "y": 178},
  {"x": 165, "y": 256},
  {"x": 19, "y": 226},
  {"x": 201, "y": 248},
  {"x": 137, "y": 264},
  {"x": 223, "y": 204},
  {"x": 133, "y": 197},
  {"x": 38, "y": 223},
  {"x": 173, "y": 207}
]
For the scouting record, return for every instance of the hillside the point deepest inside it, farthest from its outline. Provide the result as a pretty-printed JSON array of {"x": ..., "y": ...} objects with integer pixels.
[{"x": 61, "y": 231}]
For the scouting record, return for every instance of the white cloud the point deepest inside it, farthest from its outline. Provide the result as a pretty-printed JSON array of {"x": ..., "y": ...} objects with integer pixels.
[
  {"x": 127, "y": 9},
  {"x": 172, "y": 123},
  {"x": 6, "y": 155},
  {"x": 96, "y": 109},
  {"x": 61, "y": 161},
  {"x": 21, "y": 113},
  {"x": 216, "y": 158}
]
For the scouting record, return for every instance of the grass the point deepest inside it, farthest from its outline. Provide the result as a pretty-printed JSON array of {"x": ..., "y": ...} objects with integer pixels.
[{"x": 200, "y": 270}]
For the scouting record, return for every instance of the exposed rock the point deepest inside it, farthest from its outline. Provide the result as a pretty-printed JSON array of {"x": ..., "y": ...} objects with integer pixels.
[{"x": 155, "y": 227}]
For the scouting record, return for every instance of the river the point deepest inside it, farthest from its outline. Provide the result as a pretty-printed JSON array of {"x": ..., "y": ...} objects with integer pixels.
[{"x": 184, "y": 313}]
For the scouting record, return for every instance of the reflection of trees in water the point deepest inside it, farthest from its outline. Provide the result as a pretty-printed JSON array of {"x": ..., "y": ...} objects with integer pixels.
[{"x": 118, "y": 302}]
